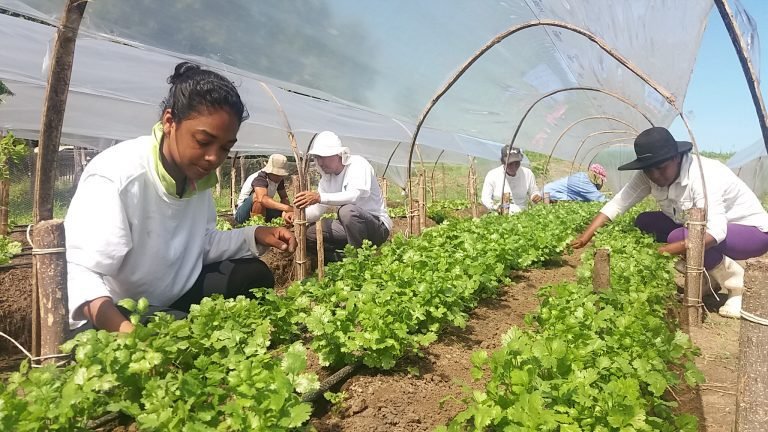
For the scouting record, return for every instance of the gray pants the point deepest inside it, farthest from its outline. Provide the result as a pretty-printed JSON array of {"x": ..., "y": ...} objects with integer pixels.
[{"x": 352, "y": 227}]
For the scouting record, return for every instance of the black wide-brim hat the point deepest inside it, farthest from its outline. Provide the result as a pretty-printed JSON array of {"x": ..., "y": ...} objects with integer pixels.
[{"x": 653, "y": 146}]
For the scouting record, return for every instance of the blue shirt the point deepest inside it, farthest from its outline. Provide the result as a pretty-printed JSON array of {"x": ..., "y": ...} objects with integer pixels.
[{"x": 573, "y": 188}]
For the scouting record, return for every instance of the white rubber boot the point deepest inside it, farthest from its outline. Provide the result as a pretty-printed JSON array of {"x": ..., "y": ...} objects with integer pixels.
[{"x": 730, "y": 276}]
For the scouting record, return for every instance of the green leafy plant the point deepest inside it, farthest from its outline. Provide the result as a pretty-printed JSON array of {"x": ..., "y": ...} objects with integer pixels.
[
  {"x": 587, "y": 367},
  {"x": 260, "y": 221},
  {"x": 8, "y": 248}
]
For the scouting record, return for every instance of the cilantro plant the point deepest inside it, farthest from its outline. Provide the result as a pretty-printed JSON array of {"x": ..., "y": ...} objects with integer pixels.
[
  {"x": 8, "y": 248},
  {"x": 584, "y": 367}
]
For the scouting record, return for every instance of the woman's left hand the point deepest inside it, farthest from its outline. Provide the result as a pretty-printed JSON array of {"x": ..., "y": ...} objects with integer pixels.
[
  {"x": 677, "y": 248},
  {"x": 276, "y": 237}
]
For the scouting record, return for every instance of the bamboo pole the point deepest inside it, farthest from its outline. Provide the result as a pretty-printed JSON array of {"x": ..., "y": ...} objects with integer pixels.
[
  {"x": 233, "y": 185},
  {"x": 243, "y": 171},
  {"x": 473, "y": 188},
  {"x": 694, "y": 255},
  {"x": 422, "y": 201},
  {"x": 601, "y": 271},
  {"x": 505, "y": 203},
  {"x": 320, "y": 249},
  {"x": 547, "y": 198},
  {"x": 218, "y": 182},
  {"x": 746, "y": 65},
  {"x": 5, "y": 188},
  {"x": 752, "y": 382},
  {"x": 384, "y": 186},
  {"x": 54, "y": 106},
  {"x": 301, "y": 184},
  {"x": 50, "y": 268},
  {"x": 302, "y": 269}
]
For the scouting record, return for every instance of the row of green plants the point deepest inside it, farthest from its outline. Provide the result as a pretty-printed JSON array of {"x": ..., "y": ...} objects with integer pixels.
[
  {"x": 236, "y": 364},
  {"x": 436, "y": 210},
  {"x": 8, "y": 248},
  {"x": 378, "y": 305},
  {"x": 591, "y": 361},
  {"x": 231, "y": 365}
]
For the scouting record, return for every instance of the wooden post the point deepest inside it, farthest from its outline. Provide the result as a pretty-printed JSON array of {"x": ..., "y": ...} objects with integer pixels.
[
  {"x": 384, "y": 188},
  {"x": 300, "y": 223},
  {"x": 547, "y": 198},
  {"x": 53, "y": 108},
  {"x": 320, "y": 249},
  {"x": 5, "y": 188},
  {"x": 752, "y": 382},
  {"x": 413, "y": 212},
  {"x": 50, "y": 279},
  {"x": 422, "y": 201},
  {"x": 601, "y": 272},
  {"x": 473, "y": 188},
  {"x": 243, "y": 172},
  {"x": 694, "y": 254},
  {"x": 234, "y": 191},
  {"x": 218, "y": 183},
  {"x": 505, "y": 203}
]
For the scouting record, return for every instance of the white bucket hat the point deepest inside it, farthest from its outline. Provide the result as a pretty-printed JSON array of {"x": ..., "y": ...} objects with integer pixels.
[
  {"x": 276, "y": 165},
  {"x": 327, "y": 143}
]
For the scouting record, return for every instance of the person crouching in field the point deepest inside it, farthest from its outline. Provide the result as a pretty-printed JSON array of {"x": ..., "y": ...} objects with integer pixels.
[
  {"x": 142, "y": 222},
  {"x": 737, "y": 225}
]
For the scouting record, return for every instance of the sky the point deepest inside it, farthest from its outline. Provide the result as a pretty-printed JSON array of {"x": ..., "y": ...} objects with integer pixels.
[{"x": 718, "y": 102}]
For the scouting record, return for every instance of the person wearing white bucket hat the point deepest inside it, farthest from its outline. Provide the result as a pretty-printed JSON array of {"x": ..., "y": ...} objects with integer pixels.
[
  {"x": 256, "y": 195},
  {"x": 349, "y": 183}
]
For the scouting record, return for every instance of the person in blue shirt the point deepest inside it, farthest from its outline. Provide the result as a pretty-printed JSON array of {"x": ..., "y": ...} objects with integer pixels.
[{"x": 579, "y": 187}]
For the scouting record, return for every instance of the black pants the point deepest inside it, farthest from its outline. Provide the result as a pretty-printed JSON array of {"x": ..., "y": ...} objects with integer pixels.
[{"x": 230, "y": 278}]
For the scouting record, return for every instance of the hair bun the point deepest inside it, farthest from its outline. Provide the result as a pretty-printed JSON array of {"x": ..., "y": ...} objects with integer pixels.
[{"x": 182, "y": 69}]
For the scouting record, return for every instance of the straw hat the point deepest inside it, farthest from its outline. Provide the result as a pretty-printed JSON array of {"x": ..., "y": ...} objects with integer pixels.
[{"x": 276, "y": 165}]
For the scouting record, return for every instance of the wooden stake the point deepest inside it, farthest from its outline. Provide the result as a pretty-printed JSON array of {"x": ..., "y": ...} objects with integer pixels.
[
  {"x": 752, "y": 382},
  {"x": 422, "y": 201},
  {"x": 218, "y": 183},
  {"x": 243, "y": 173},
  {"x": 54, "y": 107},
  {"x": 300, "y": 223},
  {"x": 50, "y": 268},
  {"x": 694, "y": 255},
  {"x": 5, "y": 188},
  {"x": 547, "y": 198},
  {"x": 601, "y": 272},
  {"x": 384, "y": 188},
  {"x": 505, "y": 203},
  {"x": 413, "y": 211},
  {"x": 233, "y": 185},
  {"x": 473, "y": 188},
  {"x": 320, "y": 249}
]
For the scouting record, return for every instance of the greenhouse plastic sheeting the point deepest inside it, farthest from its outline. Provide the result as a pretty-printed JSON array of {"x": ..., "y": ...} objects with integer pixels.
[
  {"x": 751, "y": 165},
  {"x": 372, "y": 65}
]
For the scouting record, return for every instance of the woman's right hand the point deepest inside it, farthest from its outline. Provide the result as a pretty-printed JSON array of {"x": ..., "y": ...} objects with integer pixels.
[{"x": 581, "y": 241}]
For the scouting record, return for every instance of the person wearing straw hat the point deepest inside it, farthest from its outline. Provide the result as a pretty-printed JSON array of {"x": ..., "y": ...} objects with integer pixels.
[
  {"x": 349, "y": 183},
  {"x": 578, "y": 187},
  {"x": 737, "y": 225},
  {"x": 520, "y": 183},
  {"x": 256, "y": 195}
]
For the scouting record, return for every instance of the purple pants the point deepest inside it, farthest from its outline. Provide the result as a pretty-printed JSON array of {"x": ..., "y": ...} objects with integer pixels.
[{"x": 741, "y": 241}]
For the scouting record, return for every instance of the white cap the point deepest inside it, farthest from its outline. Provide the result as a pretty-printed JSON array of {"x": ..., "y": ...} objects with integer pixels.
[{"x": 327, "y": 143}]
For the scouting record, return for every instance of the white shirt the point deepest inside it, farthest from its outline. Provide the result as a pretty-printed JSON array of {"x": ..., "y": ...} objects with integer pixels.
[
  {"x": 729, "y": 199},
  {"x": 127, "y": 237},
  {"x": 521, "y": 187},
  {"x": 247, "y": 188},
  {"x": 356, "y": 184}
]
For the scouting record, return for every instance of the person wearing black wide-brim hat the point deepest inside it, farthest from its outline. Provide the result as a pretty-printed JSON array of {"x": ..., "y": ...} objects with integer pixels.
[{"x": 737, "y": 224}]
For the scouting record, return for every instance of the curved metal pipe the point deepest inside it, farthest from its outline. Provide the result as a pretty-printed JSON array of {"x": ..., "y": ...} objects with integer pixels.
[
  {"x": 505, "y": 34},
  {"x": 577, "y": 122},
  {"x": 581, "y": 144},
  {"x": 602, "y": 144},
  {"x": 585, "y": 88}
]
